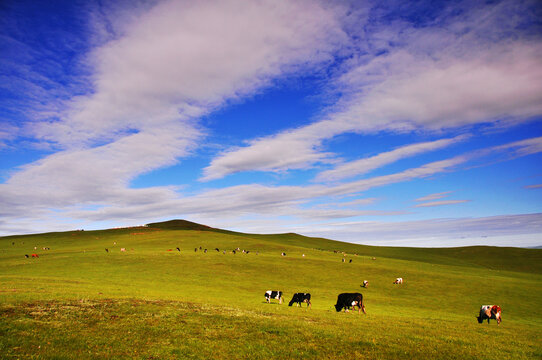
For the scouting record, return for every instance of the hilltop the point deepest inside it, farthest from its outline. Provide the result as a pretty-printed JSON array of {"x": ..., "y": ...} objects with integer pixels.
[{"x": 491, "y": 257}]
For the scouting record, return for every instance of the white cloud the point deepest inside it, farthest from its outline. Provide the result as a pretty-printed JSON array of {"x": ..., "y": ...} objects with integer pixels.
[
  {"x": 441, "y": 203},
  {"x": 133, "y": 206},
  {"x": 363, "y": 166},
  {"x": 434, "y": 196},
  {"x": 162, "y": 69},
  {"x": 430, "y": 79},
  {"x": 180, "y": 60},
  {"x": 502, "y": 230}
]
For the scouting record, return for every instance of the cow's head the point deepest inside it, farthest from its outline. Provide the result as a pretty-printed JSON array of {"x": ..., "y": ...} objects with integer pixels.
[
  {"x": 480, "y": 320},
  {"x": 338, "y": 307}
]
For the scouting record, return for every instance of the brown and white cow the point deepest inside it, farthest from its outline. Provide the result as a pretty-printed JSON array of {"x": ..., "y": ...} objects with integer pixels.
[{"x": 490, "y": 312}]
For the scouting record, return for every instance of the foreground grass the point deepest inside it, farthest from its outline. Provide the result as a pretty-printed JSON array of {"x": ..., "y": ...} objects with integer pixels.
[
  {"x": 78, "y": 301},
  {"x": 171, "y": 330}
]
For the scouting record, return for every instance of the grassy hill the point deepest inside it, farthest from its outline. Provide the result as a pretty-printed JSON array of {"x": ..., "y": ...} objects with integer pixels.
[{"x": 78, "y": 300}]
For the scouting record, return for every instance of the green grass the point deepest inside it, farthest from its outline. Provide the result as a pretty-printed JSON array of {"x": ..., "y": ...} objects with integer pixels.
[{"x": 78, "y": 301}]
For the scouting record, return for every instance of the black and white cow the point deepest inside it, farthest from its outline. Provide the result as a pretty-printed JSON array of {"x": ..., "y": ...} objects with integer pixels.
[
  {"x": 301, "y": 298},
  {"x": 271, "y": 294},
  {"x": 347, "y": 300}
]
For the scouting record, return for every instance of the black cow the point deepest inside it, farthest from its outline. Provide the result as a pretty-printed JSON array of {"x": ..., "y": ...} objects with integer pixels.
[
  {"x": 271, "y": 294},
  {"x": 301, "y": 298},
  {"x": 347, "y": 300}
]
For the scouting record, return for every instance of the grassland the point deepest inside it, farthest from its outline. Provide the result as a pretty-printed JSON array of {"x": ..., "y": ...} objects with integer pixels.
[{"x": 77, "y": 301}]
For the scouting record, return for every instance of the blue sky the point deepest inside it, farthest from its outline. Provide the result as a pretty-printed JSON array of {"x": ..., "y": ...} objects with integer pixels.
[{"x": 408, "y": 124}]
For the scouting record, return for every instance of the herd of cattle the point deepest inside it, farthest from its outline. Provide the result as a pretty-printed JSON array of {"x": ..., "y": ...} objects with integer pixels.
[
  {"x": 351, "y": 300},
  {"x": 344, "y": 301}
]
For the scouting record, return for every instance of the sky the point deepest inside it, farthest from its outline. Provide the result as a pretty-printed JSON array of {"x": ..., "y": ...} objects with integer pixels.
[{"x": 381, "y": 123}]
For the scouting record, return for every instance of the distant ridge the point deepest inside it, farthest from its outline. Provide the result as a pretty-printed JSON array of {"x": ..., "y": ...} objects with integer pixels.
[{"x": 181, "y": 225}]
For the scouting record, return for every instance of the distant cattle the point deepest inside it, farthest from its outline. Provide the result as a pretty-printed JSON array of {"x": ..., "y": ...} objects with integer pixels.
[
  {"x": 196, "y": 250},
  {"x": 283, "y": 254},
  {"x": 347, "y": 300},
  {"x": 26, "y": 256},
  {"x": 178, "y": 249},
  {"x": 272, "y": 294},
  {"x": 35, "y": 255},
  {"x": 365, "y": 284},
  {"x": 490, "y": 312},
  {"x": 217, "y": 249},
  {"x": 106, "y": 250},
  {"x": 301, "y": 298},
  {"x": 398, "y": 281},
  {"x": 123, "y": 249},
  {"x": 350, "y": 261}
]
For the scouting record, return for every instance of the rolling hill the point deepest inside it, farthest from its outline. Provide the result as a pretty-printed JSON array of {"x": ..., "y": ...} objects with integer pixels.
[{"x": 164, "y": 297}]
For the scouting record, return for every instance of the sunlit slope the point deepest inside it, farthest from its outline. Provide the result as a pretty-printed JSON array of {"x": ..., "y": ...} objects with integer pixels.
[{"x": 78, "y": 266}]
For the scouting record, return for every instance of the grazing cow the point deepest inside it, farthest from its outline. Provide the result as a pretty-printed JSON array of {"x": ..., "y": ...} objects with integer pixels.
[
  {"x": 300, "y": 298},
  {"x": 196, "y": 250},
  {"x": 26, "y": 256},
  {"x": 490, "y": 312},
  {"x": 178, "y": 249},
  {"x": 271, "y": 294},
  {"x": 365, "y": 284},
  {"x": 123, "y": 249},
  {"x": 217, "y": 249},
  {"x": 398, "y": 281},
  {"x": 205, "y": 251},
  {"x": 106, "y": 250},
  {"x": 283, "y": 254},
  {"x": 347, "y": 300},
  {"x": 35, "y": 255},
  {"x": 350, "y": 262},
  {"x": 343, "y": 259}
]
